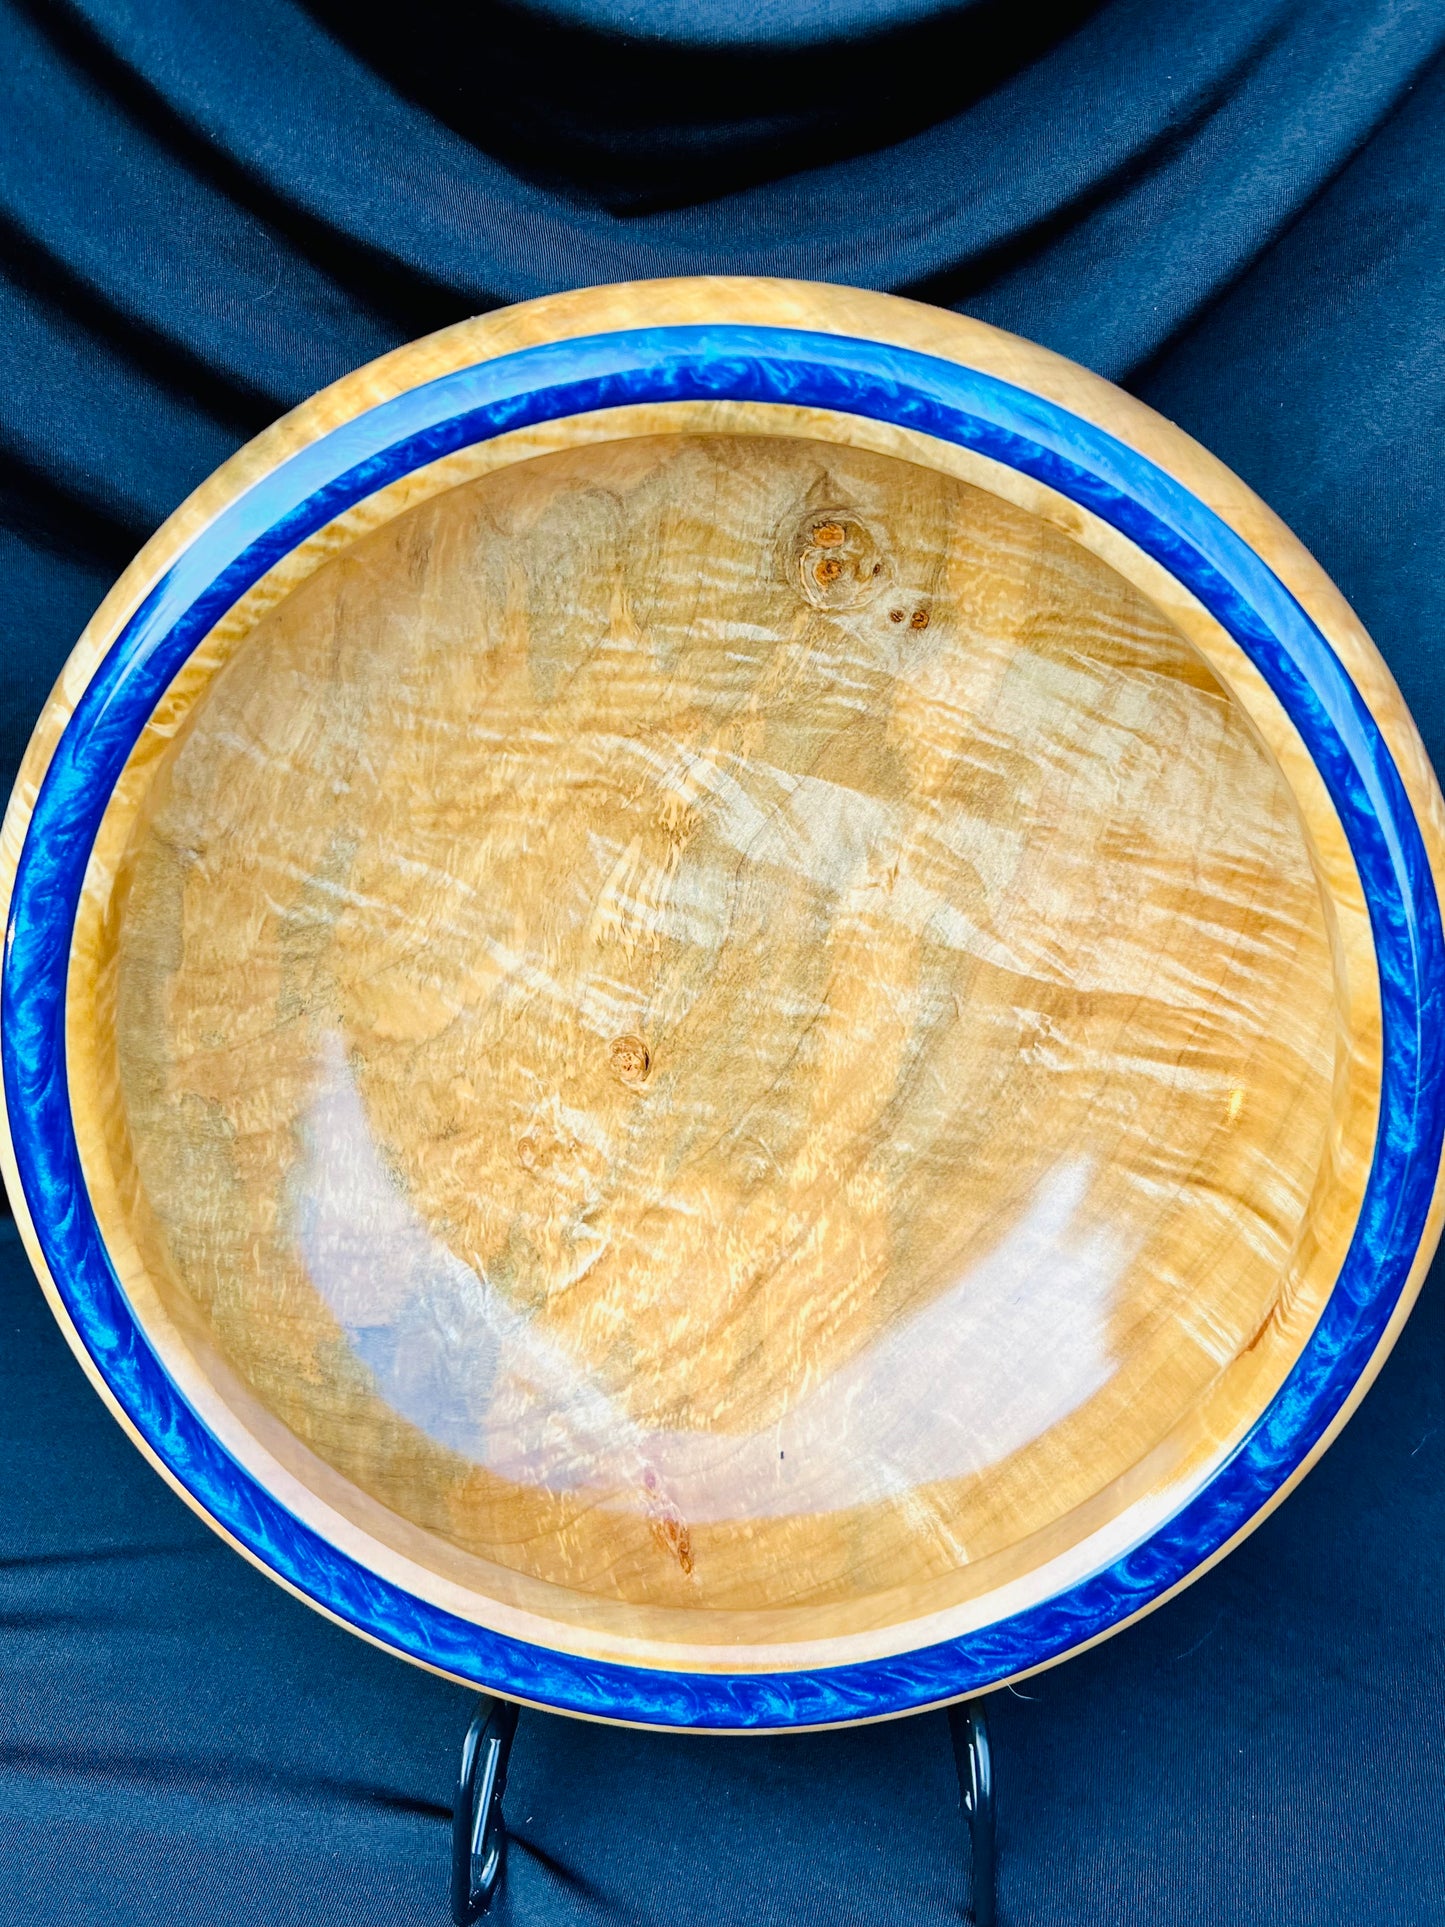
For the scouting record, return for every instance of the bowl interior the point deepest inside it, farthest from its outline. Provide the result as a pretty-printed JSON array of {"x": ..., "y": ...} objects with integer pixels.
[{"x": 719, "y": 1032}]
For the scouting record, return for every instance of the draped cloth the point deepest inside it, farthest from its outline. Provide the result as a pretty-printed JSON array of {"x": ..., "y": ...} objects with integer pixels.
[{"x": 207, "y": 212}]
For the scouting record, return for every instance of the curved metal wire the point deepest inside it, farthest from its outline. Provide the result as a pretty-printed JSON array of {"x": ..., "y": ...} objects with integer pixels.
[
  {"x": 479, "y": 1838},
  {"x": 973, "y": 1756}
]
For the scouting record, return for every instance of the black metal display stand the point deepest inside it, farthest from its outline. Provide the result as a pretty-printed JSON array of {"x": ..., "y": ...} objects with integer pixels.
[
  {"x": 479, "y": 1835},
  {"x": 973, "y": 1756}
]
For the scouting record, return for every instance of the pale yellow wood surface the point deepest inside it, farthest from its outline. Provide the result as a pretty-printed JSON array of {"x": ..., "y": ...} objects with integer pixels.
[
  {"x": 722, "y": 1040},
  {"x": 775, "y": 1002}
]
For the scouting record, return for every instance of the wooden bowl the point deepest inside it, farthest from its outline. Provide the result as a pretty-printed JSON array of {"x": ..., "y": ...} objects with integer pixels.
[{"x": 723, "y": 1004}]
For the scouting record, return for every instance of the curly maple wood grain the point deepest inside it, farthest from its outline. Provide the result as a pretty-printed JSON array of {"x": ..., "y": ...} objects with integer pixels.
[{"x": 726, "y": 1024}]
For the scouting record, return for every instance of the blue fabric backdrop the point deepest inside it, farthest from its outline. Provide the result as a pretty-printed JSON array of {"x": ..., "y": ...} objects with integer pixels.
[{"x": 1238, "y": 210}]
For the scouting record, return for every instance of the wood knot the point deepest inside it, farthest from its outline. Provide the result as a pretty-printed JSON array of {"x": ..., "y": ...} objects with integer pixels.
[
  {"x": 630, "y": 1059},
  {"x": 919, "y": 619},
  {"x": 840, "y": 562}
]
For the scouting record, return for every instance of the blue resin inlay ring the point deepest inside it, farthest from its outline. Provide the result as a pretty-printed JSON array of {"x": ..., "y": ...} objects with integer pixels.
[{"x": 722, "y": 1005}]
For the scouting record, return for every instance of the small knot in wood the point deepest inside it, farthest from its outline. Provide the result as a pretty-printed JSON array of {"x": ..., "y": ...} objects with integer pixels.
[{"x": 630, "y": 1059}]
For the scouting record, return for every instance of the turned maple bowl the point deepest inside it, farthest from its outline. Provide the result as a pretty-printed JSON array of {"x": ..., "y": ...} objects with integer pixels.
[{"x": 722, "y": 1004}]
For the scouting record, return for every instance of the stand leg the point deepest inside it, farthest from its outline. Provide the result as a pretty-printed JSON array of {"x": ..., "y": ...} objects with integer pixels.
[
  {"x": 479, "y": 1840},
  {"x": 968, "y": 1725}
]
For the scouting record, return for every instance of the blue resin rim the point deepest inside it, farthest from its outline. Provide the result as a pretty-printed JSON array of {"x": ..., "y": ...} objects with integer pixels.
[{"x": 799, "y": 368}]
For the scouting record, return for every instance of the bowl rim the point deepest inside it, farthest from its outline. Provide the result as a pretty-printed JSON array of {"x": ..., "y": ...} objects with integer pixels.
[{"x": 952, "y": 398}]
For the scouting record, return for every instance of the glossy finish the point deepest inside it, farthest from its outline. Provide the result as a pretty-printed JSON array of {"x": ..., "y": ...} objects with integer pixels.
[
  {"x": 620, "y": 1003},
  {"x": 973, "y": 1759},
  {"x": 479, "y": 1829},
  {"x": 744, "y": 1080}
]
